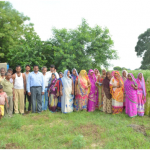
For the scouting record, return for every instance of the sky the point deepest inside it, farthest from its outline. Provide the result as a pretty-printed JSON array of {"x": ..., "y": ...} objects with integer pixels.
[{"x": 125, "y": 19}]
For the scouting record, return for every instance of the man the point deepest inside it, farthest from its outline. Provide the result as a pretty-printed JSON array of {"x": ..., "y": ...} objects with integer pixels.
[
  {"x": 2, "y": 77},
  {"x": 11, "y": 72},
  {"x": 35, "y": 88},
  {"x": 53, "y": 70},
  {"x": 19, "y": 81},
  {"x": 8, "y": 89},
  {"x": 26, "y": 95},
  {"x": 46, "y": 77}
]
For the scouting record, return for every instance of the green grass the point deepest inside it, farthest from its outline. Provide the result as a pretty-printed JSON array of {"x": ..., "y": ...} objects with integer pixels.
[{"x": 75, "y": 130}]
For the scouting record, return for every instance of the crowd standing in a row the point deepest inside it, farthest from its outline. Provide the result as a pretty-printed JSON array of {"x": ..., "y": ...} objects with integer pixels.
[{"x": 109, "y": 92}]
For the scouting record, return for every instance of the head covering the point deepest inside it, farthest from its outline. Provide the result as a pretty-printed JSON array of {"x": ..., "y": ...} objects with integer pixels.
[
  {"x": 129, "y": 89},
  {"x": 106, "y": 86},
  {"x": 52, "y": 80},
  {"x": 73, "y": 76},
  {"x": 112, "y": 73},
  {"x": 124, "y": 79},
  {"x": 61, "y": 73},
  {"x": 97, "y": 70},
  {"x": 93, "y": 77},
  {"x": 142, "y": 82},
  {"x": 66, "y": 81}
]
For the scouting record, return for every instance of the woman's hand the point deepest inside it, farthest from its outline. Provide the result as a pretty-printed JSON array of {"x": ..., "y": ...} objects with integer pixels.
[
  {"x": 72, "y": 93},
  {"x": 61, "y": 93},
  {"x": 48, "y": 94},
  {"x": 57, "y": 94},
  {"x": 132, "y": 85},
  {"x": 75, "y": 92},
  {"x": 143, "y": 97}
]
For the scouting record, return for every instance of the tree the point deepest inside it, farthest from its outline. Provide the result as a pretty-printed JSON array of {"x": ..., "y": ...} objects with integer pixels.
[
  {"x": 117, "y": 68},
  {"x": 143, "y": 49},
  {"x": 28, "y": 51},
  {"x": 11, "y": 28},
  {"x": 82, "y": 48}
]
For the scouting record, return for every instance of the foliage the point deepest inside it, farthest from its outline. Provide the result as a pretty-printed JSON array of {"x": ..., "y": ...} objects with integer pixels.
[
  {"x": 143, "y": 49},
  {"x": 82, "y": 48},
  {"x": 119, "y": 68},
  {"x": 11, "y": 28}
]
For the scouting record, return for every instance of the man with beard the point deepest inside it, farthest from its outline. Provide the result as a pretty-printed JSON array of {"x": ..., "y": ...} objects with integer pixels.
[
  {"x": 19, "y": 81},
  {"x": 35, "y": 88},
  {"x": 2, "y": 77}
]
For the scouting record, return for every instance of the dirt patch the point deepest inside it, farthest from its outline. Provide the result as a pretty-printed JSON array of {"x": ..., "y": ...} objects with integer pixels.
[
  {"x": 39, "y": 117},
  {"x": 12, "y": 146},
  {"x": 90, "y": 130},
  {"x": 59, "y": 122},
  {"x": 139, "y": 128},
  {"x": 27, "y": 127}
]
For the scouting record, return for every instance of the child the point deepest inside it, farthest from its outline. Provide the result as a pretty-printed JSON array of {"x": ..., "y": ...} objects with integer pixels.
[
  {"x": 3, "y": 98},
  {"x": 11, "y": 72}
]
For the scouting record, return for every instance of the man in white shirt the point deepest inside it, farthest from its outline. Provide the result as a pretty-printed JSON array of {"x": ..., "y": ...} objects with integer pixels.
[
  {"x": 46, "y": 76},
  {"x": 53, "y": 70}
]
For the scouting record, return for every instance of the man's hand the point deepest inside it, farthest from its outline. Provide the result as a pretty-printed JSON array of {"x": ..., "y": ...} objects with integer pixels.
[
  {"x": 72, "y": 93},
  {"x": 29, "y": 93},
  {"x": 7, "y": 105},
  {"x": 42, "y": 93},
  {"x": 24, "y": 92},
  {"x": 13, "y": 98},
  {"x": 48, "y": 94}
]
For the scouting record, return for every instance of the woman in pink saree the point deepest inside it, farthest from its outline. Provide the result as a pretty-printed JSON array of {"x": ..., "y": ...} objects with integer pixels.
[
  {"x": 93, "y": 91},
  {"x": 131, "y": 96},
  {"x": 141, "y": 93}
]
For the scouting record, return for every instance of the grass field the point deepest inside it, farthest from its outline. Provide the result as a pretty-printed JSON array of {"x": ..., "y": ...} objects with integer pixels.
[{"x": 75, "y": 130}]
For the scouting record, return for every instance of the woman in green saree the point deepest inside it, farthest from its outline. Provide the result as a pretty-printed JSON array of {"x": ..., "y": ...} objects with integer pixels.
[{"x": 147, "y": 104}]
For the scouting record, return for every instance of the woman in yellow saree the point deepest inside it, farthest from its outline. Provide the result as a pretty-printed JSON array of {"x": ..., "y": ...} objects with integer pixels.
[
  {"x": 82, "y": 89},
  {"x": 116, "y": 90}
]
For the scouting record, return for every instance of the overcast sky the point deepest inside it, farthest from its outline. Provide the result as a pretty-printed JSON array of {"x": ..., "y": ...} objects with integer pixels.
[{"x": 125, "y": 19}]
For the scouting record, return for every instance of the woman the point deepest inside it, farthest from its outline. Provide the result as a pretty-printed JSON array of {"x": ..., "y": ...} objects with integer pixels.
[
  {"x": 141, "y": 93},
  {"x": 112, "y": 73},
  {"x": 53, "y": 93},
  {"x": 131, "y": 96},
  {"x": 99, "y": 104},
  {"x": 103, "y": 74},
  {"x": 124, "y": 78},
  {"x": 93, "y": 91},
  {"x": 59, "y": 97},
  {"x": 107, "y": 98},
  {"x": 81, "y": 91},
  {"x": 116, "y": 90},
  {"x": 66, "y": 91},
  {"x": 147, "y": 104}
]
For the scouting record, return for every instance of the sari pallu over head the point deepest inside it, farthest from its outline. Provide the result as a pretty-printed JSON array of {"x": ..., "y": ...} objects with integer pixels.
[
  {"x": 73, "y": 76},
  {"x": 106, "y": 88},
  {"x": 83, "y": 83},
  {"x": 93, "y": 88},
  {"x": 52, "y": 83},
  {"x": 124, "y": 79},
  {"x": 115, "y": 92},
  {"x": 67, "y": 83},
  {"x": 141, "y": 86},
  {"x": 129, "y": 89}
]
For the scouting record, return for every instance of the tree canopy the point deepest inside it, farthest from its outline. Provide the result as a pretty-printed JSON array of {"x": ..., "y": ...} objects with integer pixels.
[
  {"x": 81, "y": 48},
  {"x": 143, "y": 49}
]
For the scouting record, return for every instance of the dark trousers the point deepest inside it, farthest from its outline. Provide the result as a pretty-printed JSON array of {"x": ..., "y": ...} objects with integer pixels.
[
  {"x": 36, "y": 95},
  {"x": 29, "y": 100}
]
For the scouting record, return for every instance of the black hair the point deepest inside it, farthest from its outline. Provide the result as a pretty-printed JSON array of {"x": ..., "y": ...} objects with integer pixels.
[
  {"x": 10, "y": 69},
  {"x": 35, "y": 66},
  {"x": 1, "y": 87},
  {"x": 52, "y": 66},
  {"x": 18, "y": 66},
  {"x": 27, "y": 66},
  {"x": 7, "y": 73}
]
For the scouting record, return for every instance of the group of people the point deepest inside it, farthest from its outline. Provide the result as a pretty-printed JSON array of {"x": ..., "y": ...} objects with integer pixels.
[{"x": 65, "y": 92}]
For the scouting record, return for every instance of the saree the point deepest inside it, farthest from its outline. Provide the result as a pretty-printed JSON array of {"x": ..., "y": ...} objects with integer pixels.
[
  {"x": 59, "y": 97},
  {"x": 99, "y": 104},
  {"x": 131, "y": 97},
  {"x": 117, "y": 95},
  {"x": 140, "y": 92},
  {"x": 53, "y": 88},
  {"x": 92, "y": 96},
  {"x": 67, "y": 98},
  {"x": 147, "y": 104},
  {"x": 107, "y": 99},
  {"x": 81, "y": 98},
  {"x": 124, "y": 79}
]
